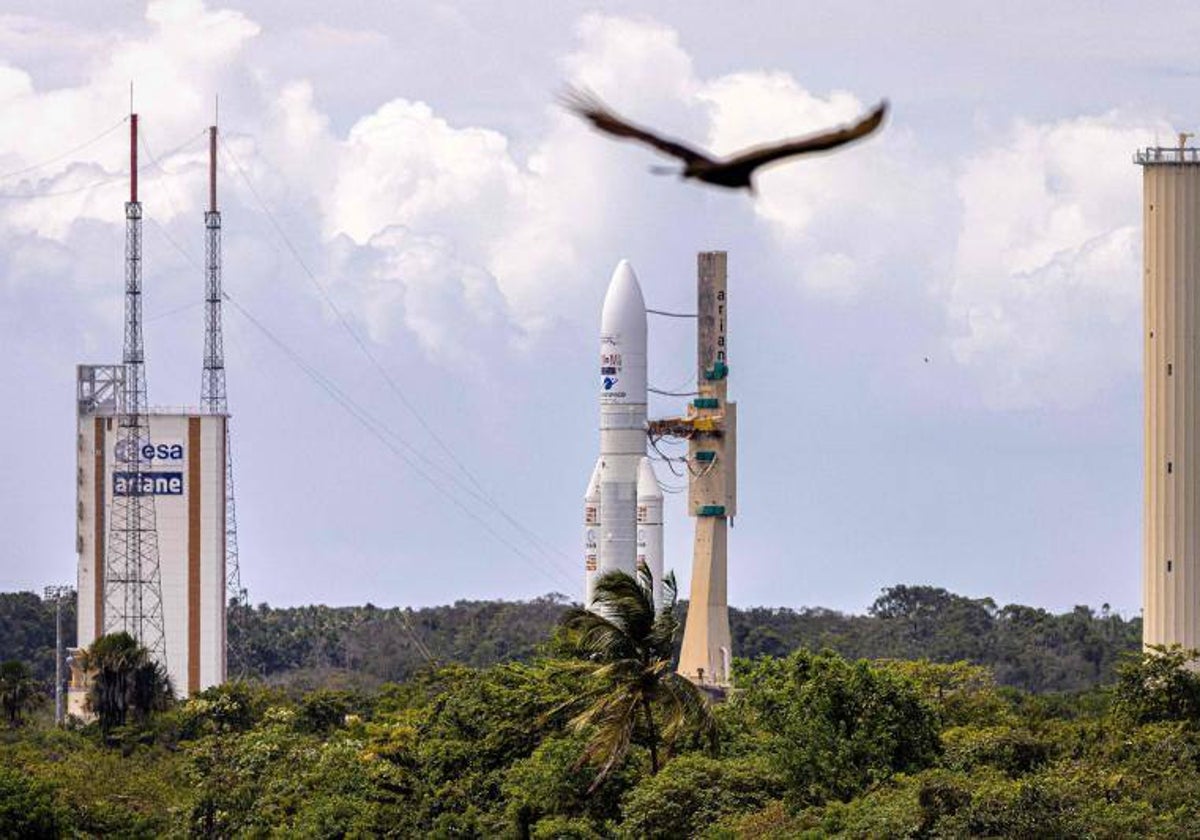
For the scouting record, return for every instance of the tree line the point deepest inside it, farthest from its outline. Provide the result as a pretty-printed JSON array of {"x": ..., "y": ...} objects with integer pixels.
[
  {"x": 1025, "y": 647},
  {"x": 596, "y": 737}
]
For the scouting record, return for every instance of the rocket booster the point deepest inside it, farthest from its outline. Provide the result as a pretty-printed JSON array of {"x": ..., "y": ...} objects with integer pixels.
[
  {"x": 620, "y": 482},
  {"x": 591, "y": 534},
  {"x": 650, "y": 526}
]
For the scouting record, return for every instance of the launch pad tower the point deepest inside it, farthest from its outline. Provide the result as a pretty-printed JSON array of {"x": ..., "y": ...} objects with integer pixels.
[
  {"x": 710, "y": 428},
  {"x": 1171, "y": 348}
]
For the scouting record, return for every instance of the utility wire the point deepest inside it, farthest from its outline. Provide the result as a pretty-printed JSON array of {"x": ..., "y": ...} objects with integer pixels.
[
  {"x": 173, "y": 241},
  {"x": 362, "y": 345},
  {"x": 164, "y": 177},
  {"x": 108, "y": 179},
  {"x": 412, "y": 633},
  {"x": 366, "y": 351},
  {"x": 380, "y": 432},
  {"x": 373, "y": 426},
  {"x": 671, "y": 314},
  {"x": 432, "y": 464},
  {"x": 68, "y": 153},
  {"x": 168, "y": 313},
  {"x": 672, "y": 393}
]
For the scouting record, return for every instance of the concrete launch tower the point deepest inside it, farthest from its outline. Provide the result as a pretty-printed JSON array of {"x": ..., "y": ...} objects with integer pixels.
[
  {"x": 710, "y": 428},
  {"x": 707, "y": 650},
  {"x": 1171, "y": 342}
]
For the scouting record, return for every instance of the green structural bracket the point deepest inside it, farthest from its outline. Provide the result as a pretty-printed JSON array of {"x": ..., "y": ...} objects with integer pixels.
[
  {"x": 706, "y": 456},
  {"x": 711, "y": 510},
  {"x": 706, "y": 402},
  {"x": 719, "y": 370}
]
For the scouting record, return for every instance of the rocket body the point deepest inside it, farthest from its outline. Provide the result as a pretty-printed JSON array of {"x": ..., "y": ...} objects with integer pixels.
[{"x": 622, "y": 393}]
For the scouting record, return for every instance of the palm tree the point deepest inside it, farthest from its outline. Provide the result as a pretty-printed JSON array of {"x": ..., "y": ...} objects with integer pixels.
[
  {"x": 18, "y": 691},
  {"x": 125, "y": 680},
  {"x": 626, "y": 649}
]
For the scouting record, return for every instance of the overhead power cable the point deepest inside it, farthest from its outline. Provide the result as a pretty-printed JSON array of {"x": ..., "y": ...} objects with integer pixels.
[
  {"x": 381, "y": 433},
  {"x": 671, "y": 314},
  {"x": 346, "y": 325},
  {"x": 351, "y": 407},
  {"x": 672, "y": 393},
  {"x": 107, "y": 179},
  {"x": 380, "y": 369},
  {"x": 175, "y": 311},
  {"x": 67, "y": 153},
  {"x": 412, "y": 450},
  {"x": 174, "y": 243},
  {"x": 164, "y": 176}
]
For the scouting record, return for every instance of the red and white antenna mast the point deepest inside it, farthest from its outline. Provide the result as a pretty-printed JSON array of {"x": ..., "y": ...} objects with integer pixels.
[
  {"x": 213, "y": 397},
  {"x": 132, "y": 581}
]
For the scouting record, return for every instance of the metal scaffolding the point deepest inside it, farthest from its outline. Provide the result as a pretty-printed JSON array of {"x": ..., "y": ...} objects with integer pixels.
[
  {"x": 132, "y": 579},
  {"x": 213, "y": 397}
]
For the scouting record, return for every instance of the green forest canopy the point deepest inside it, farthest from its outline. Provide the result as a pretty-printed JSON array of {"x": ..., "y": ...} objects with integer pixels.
[
  {"x": 808, "y": 745},
  {"x": 1025, "y": 647}
]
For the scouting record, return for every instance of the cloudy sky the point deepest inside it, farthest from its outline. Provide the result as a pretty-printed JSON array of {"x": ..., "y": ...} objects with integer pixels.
[{"x": 418, "y": 242}]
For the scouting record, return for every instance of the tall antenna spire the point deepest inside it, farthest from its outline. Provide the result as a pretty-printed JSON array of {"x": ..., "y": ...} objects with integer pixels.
[
  {"x": 132, "y": 582},
  {"x": 213, "y": 398}
]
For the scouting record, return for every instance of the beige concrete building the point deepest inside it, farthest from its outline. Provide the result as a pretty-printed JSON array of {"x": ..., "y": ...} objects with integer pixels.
[
  {"x": 185, "y": 460},
  {"x": 1171, "y": 341}
]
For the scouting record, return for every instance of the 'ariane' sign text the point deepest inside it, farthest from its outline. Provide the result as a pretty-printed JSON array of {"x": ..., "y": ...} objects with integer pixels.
[{"x": 148, "y": 484}]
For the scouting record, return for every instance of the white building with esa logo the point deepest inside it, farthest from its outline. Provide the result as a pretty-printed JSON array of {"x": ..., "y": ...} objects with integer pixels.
[{"x": 186, "y": 475}]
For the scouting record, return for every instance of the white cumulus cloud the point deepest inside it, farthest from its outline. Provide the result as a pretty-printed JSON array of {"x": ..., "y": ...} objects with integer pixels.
[{"x": 1044, "y": 298}]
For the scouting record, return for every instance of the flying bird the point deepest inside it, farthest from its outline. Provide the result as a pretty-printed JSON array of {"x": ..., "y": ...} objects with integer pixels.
[{"x": 733, "y": 172}]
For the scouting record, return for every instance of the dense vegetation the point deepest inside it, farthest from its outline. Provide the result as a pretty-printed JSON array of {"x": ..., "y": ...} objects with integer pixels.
[
  {"x": 1025, "y": 647},
  {"x": 27, "y": 630},
  {"x": 809, "y": 745}
]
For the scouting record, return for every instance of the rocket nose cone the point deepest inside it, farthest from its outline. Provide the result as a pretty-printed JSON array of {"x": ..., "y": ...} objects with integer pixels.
[
  {"x": 647, "y": 484},
  {"x": 593, "y": 488},
  {"x": 624, "y": 306}
]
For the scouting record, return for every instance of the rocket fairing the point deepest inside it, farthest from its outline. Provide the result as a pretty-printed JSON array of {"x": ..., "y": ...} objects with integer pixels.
[{"x": 620, "y": 486}]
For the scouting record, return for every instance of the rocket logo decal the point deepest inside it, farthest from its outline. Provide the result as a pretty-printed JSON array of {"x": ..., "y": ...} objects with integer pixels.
[{"x": 609, "y": 382}]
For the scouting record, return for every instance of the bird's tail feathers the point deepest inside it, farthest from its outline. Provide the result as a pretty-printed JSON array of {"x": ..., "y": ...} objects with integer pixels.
[{"x": 664, "y": 170}]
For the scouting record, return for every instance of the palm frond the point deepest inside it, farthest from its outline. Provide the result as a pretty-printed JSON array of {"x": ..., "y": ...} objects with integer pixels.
[
  {"x": 628, "y": 602},
  {"x": 661, "y": 639},
  {"x": 593, "y": 635},
  {"x": 625, "y": 646},
  {"x": 612, "y": 721},
  {"x": 685, "y": 708}
]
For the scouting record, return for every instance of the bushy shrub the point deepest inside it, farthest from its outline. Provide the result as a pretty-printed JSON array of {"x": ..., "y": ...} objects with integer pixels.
[
  {"x": 832, "y": 727},
  {"x": 693, "y": 792}
]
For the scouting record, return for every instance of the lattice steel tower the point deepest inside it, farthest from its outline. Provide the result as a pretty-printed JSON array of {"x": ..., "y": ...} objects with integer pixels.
[
  {"x": 132, "y": 581},
  {"x": 213, "y": 399}
]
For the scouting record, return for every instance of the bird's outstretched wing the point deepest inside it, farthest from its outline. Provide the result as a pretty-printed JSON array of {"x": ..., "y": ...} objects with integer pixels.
[
  {"x": 753, "y": 158},
  {"x": 587, "y": 105}
]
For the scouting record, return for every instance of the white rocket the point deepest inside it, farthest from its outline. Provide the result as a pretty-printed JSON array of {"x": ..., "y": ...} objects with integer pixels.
[{"x": 622, "y": 520}]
